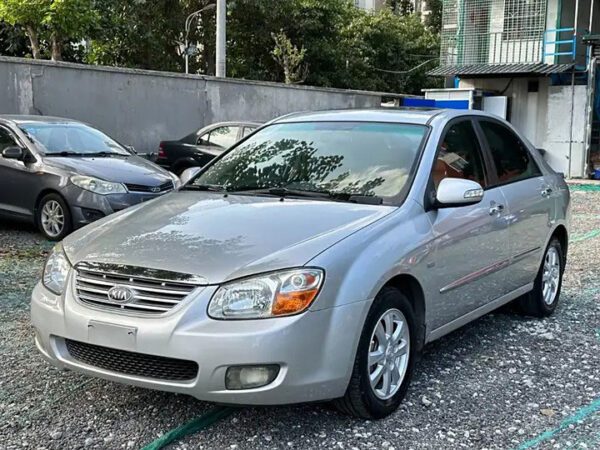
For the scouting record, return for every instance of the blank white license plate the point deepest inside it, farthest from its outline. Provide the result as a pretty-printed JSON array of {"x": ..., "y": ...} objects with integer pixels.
[{"x": 111, "y": 335}]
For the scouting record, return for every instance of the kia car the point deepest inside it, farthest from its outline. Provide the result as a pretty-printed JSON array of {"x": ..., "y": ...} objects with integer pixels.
[
  {"x": 62, "y": 174},
  {"x": 200, "y": 147},
  {"x": 312, "y": 261}
]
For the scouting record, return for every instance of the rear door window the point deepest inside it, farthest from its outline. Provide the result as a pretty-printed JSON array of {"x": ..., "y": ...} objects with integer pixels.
[
  {"x": 510, "y": 154},
  {"x": 222, "y": 137}
]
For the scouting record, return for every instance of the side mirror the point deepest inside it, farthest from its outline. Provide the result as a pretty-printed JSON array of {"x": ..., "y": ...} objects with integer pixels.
[
  {"x": 453, "y": 192},
  {"x": 188, "y": 174},
  {"x": 13, "y": 152}
]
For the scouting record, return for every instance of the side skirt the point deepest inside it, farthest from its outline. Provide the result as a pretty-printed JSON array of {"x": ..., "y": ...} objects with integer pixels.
[{"x": 475, "y": 314}]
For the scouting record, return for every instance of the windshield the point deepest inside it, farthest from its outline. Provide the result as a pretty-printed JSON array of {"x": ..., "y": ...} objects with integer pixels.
[
  {"x": 71, "y": 138},
  {"x": 354, "y": 158}
]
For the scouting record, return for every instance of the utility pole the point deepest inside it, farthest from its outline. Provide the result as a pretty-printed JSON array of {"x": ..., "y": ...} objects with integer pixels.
[{"x": 221, "y": 38}]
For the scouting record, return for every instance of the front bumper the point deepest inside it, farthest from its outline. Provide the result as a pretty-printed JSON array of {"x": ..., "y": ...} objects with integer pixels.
[
  {"x": 315, "y": 350},
  {"x": 86, "y": 206}
]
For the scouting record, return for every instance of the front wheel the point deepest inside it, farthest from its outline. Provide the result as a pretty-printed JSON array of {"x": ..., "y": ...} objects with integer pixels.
[
  {"x": 53, "y": 217},
  {"x": 385, "y": 358},
  {"x": 543, "y": 299}
]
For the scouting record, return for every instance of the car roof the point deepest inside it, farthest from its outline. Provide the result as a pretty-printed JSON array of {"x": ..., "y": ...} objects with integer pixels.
[
  {"x": 17, "y": 118},
  {"x": 419, "y": 116}
]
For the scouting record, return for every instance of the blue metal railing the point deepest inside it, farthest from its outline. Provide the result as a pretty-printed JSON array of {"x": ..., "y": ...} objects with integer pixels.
[{"x": 562, "y": 46}]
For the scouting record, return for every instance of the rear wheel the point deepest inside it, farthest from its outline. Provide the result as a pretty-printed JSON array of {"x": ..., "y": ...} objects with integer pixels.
[
  {"x": 385, "y": 358},
  {"x": 53, "y": 217},
  {"x": 543, "y": 299}
]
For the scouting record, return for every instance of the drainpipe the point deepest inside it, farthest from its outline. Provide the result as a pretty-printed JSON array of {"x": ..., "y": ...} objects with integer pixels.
[
  {"x": 591, "y": 88},
  {"x": 575, "y": 21}
]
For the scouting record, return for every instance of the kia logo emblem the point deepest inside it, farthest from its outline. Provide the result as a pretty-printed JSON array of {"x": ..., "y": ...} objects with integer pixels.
[{"x": 120, "y": 294}]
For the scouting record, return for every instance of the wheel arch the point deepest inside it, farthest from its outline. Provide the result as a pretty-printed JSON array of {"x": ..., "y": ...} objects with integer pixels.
[
  {"x": 561, "y": 233},
  {"x": 39, "y": 198},
  {"x": 412, "y": 289}
]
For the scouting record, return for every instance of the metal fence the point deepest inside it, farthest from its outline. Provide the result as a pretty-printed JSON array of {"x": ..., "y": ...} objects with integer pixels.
[{"x": 492, "y": 31}]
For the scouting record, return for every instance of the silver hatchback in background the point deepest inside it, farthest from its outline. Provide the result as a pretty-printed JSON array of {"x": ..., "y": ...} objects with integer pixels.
[{"x": 312, "y": 261}]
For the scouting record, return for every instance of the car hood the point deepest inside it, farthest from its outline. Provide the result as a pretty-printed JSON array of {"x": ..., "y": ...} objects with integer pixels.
[
  {"x": 120, "y": 169},
  {"x": 219, "y": 237}
]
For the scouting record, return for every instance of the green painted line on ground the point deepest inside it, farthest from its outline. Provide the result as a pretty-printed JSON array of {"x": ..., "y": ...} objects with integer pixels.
[
  {"x": 585, "y": 187},
  {"x": 580, "y": 415},
  {"x": 204, "y": 421},
  {"x": 586, "y": 236}
]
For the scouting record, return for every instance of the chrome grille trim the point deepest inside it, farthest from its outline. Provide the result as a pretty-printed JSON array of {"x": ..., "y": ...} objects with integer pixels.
[{"x": 153, "y": 291}]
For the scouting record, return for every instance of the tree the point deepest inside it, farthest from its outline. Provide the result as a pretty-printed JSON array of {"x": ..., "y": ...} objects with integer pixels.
[
  {"x": 434, "y": 18},
  {"x": 13, "y": 42},
  {"x": 60, "y": 20},
  {"x": 289, "y": 58},
  {"x": 66, "y": 21},
  {"x": 28, "y": 14},
  {"x": 382, "y": 43}
]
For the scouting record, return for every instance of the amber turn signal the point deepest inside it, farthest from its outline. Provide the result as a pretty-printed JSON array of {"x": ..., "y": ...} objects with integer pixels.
[{"x": 293, "y": 302}]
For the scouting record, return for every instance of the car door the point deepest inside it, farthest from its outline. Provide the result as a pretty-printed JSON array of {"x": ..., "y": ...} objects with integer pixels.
[
  {"x": 219, "y": 139},
  {"x": 17, "y": 179},
  {"x": 530, "y": 199},
  {"x": 471, "y": 241}
]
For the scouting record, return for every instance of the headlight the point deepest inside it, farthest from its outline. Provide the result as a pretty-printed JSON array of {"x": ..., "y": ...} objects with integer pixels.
[
  {"x": 270, "y": 295},
  {"x": 56, "y": 270},
  {"x": 97, "y": 185}
]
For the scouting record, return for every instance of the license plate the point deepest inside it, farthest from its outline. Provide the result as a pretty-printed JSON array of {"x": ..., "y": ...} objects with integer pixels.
[{"x": 111, "y": 335}]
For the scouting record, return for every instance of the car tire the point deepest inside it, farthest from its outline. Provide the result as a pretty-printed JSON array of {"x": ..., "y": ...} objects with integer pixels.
[
  {"x": 543, "y": 299},
  {"x": 53, "y": 217},
  {"x": 363, "y": 399}
]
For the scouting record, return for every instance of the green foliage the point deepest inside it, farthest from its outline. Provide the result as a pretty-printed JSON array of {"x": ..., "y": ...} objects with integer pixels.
[
  {"x": 12, "y": 40},
  {"x": 55, "y": 20},
  {"x": 289, "y": 58}
]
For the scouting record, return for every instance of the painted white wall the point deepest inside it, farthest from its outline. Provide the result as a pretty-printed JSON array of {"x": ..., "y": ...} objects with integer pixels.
[{"x": 544, "y": 118}]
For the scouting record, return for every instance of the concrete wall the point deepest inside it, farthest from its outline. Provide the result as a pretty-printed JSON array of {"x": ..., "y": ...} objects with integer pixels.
[
  {"x": 141, "y": 108},
  {"x": 544, "y": 117}
]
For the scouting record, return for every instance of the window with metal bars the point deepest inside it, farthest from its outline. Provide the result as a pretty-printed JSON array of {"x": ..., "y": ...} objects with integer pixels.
[{"x": 524, "y": 19}]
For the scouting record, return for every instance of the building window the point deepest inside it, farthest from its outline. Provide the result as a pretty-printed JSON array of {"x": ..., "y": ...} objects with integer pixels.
[{"x": 524, "y": 19}]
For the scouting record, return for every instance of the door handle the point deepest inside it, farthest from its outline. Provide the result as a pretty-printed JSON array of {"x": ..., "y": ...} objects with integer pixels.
[
  {"x": 546, "y": 192},
  {"x": 496, "y": 209}
]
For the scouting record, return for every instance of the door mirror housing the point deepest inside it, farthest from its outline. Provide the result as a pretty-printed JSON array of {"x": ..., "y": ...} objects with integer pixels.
[
  {"x": 453, "y": 192},
  {"x": 13, "y": 152},
  {"x": 188, "y": 174}
]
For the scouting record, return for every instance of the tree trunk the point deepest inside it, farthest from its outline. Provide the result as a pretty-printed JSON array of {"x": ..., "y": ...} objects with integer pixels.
[
  {"x": 56, "y": 48},
  {"x": 34, "y": 40}
]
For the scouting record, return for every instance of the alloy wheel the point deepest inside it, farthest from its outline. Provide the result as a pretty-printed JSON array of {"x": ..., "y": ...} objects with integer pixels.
[
  {"x": 551, "y": 275},
  {"x": 52, "y": 218},
  {"x": 389, "y": 350}
]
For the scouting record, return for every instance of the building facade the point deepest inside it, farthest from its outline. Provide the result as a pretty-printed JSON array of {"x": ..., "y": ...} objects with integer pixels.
[{"x": 529, "y": 61}]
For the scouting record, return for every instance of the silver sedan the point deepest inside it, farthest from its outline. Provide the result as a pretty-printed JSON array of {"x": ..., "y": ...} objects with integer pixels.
[{"x": 311, "y": 261}]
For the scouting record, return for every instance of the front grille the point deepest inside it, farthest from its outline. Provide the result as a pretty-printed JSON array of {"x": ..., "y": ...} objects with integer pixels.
[
  {"x": 152, "y": 189},
  {"x": 131, "y": 363},
  {"x": 136, "y": 289}
]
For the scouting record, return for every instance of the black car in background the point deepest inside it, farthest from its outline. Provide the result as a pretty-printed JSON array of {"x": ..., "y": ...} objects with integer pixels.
[{"x": 199, "y": 147}]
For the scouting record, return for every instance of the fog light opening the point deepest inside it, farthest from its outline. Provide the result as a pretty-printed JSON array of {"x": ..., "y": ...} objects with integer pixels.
[{"x": 250, "y": 377}]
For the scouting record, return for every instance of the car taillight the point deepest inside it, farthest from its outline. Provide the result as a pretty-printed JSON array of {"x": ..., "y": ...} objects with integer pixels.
[{"x": 161, "y": 151}]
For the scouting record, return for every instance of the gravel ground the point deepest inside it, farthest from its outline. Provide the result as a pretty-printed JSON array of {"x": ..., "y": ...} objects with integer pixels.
[{"x": 502, "y": 382}]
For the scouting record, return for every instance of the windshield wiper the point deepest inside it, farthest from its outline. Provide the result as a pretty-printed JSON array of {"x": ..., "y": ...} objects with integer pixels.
[
  {"x": 339, "y": 196},
  {"x": 204, "y": 187},
  {"x": 66, "y": 153},
  {"x": 280, "y": 192}
]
